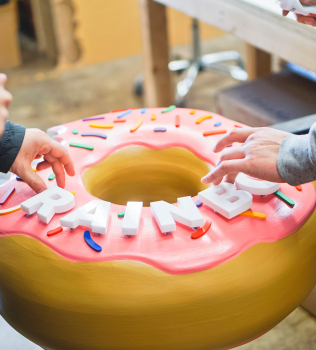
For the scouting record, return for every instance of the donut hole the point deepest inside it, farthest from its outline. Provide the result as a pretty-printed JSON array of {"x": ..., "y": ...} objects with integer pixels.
[{"x": 147, "y": 175}]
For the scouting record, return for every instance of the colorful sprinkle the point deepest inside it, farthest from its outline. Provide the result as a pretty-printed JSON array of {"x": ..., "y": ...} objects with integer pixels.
[
  {"x": 121, "y": 110},
  {"x": 73, "y": 192},
  {"x": 202, "y": 230},
  {"x": 137, "y": 125},
  {"x": 217, "y": 132},
  {"x": 19, "y": 179},
  {"x": 51, "y": 177},
  {"x": 101, "y": 126},
  {"x": 153, "y": 117},
  {"x": 299, "y": 188},
  {"x": 119, "y": 121},
  {"x": 91, "y": 243},
  {"x": 92, "y": 118},
  {"x": 7, "y": 195},
  {"x": 229, "y": 146},
  {"x": 143, "y": 110},
  {"x": 75, "y": 131},
  {"x": 160, "y": 129},
  {"x": 237, "y": 126},
  {"x": 55, "y": 231},
  {"x": 192, "y": 112},
  {"x": 217, "y": 124},
  {"x": 10, "y": 210},
  {"x": 284, "y": 198},
  {"x": 81, "y": 145},
  {"x": 125, "y": 113},
  {"x": 169, "y": 109},
  {"x": 253, "y": 214},
  {"x": 95, "y": 134},
  {"x": 201, "y": 119},
  {"x": 121, "y": 214},
  {"x": 177, "y": 121},
  {"x": 198, "y": 203}
]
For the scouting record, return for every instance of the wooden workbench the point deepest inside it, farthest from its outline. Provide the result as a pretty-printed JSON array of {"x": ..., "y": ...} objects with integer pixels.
[{"x": 258, "y": 22}]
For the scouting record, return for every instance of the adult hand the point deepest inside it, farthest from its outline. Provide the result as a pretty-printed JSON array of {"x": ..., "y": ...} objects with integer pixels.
[
  {"x": 257, "y": 157},
  {"x": 35, "y": 145},
  {"x": 305, "y": 19},
  {"x": 5, "y": 99}
]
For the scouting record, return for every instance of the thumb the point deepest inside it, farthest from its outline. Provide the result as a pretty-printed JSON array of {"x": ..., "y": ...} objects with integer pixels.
[
  {"x": 33, "y": 180},
  {"x": 285, "y": 13}
]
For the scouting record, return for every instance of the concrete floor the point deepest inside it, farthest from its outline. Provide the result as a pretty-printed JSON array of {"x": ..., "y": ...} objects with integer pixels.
[{"x": 44, "y": 97}]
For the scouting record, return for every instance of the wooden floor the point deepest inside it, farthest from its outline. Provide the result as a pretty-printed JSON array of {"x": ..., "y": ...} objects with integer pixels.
[{"x": 44, "y": 98}]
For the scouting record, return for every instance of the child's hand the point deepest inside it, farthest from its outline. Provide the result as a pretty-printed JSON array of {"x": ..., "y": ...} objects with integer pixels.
[
  {"x": 305, "y": 19},
  {"x": 257, "y": 157},
  {"x": 5, "y": 99},
  {"x": 35, "y": 145}
]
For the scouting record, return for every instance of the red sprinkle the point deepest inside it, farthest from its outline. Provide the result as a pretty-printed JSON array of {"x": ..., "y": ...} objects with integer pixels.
[
  {"x": 7, "y": 195},
  {"x": 121, "y": 110},
  {"x": 177, "y": 121},
  {"x": 214, "y": 132},
  {"x": 299, "y": 187},
  {"x": 119, "y": 121},
  {"x": 202, "y": 230},
  {"x": 237, "y": 126},
  {"x": 55, "y": 231}
]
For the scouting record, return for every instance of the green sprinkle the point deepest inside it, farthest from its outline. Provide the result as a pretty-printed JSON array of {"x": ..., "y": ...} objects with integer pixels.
[
  {"x": 81, "y": 145},
  {"x": 75, "y": 131},
  {"x": 169, "y": 109},
  {"x": 51, "y": 177},
  {"x": 121, "y": 214},
  {"x": 284, "y": 198}
]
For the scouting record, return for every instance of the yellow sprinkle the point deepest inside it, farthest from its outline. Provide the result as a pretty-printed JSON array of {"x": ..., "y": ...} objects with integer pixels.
[
  {"x": 73, "y": 192},
  {"x": 192, "y": 112},
  {"x": 137, "y": 125},
  {"x": 101, "y": 126},
  {"x": 10, "y": 210},
  {"x": 35, "y": 170},
  {"x": 153, "y": 117},
  {"x": 253, "y": 214},
  {"x": 200, "y": 120}
]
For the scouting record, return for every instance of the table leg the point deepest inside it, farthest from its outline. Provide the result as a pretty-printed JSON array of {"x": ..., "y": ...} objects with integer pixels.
[
  {"x": 157, "y": 84},
  {"x": 258, "y": 62}
]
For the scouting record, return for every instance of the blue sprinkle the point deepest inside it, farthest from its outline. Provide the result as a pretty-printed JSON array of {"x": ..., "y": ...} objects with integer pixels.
[
  {"x": 19, "y": 179},
  {"x": 143, "y": 110},
  {"x": 91, "y": 243},
  {"x": 217, "y": 124},
  {"x": 160, "y": 129},
  {"x": 96, "y": 134},
  {"x": 229, "y": 146},
  {"x": 198, "y": 203},
  {"x": 125, "y": 113}
]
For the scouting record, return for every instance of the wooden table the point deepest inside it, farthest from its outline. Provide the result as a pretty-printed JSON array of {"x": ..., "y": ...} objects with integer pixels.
[{"x": 258, "y": 22}]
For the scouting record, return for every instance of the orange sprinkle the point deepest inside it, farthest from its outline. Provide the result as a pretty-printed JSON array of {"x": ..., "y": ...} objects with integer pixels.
[
  {"x": 237, "y": 126},
  {"x": 201, "y": 119},
  {"x": 177, "y": 121},
  {"x": 119, "y": 121},
  {"x": 192, "y": 112},
  {"x": 215, "y": 132},
  {"x": 10, "y": 210},
  {"x": 253, "y": 214},
  {"x": 299, "y": 188},
  {"x": 153, "y": 117},
  {"x": 202, "y": 230},
  {"x": 137, "y": 125},
  {"x": 121, "y": 110},
  {"x": 55, "y": 231}
]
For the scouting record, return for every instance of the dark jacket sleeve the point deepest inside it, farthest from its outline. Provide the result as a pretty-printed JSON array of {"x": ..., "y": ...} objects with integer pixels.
[{"x": 10, "y": 144}]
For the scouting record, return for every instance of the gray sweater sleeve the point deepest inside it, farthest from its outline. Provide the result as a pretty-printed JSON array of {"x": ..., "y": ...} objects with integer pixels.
[{"x": 296, "y": 158}]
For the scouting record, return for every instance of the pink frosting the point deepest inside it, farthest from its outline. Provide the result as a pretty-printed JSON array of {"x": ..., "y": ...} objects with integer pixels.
[{"x": 177, "y": 253}]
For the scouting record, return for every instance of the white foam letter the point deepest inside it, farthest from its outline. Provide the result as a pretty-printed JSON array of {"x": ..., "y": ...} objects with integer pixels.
[
  {"x": 132, "y": 217},
  {"x": 244, "y": 182},
  {"x": 166, "y": 214},
  {"x": 226, "y": 200},
  {"x": 94, "y": 214},
  {"x": 53, "y": 201}
]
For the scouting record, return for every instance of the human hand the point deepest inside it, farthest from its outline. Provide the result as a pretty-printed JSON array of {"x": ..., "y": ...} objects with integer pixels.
[
  {"x": 257, "y": 157},
  {"x": 305, "y": 19},
  {"x": 35, "y": 145},
  {"x": 5, "y": 99}
]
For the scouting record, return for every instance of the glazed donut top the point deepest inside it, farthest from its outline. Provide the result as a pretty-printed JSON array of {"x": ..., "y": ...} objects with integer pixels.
[{"x": 176, "y": 253}]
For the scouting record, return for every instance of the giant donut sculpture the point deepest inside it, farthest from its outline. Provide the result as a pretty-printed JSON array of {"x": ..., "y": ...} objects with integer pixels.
[{"x": 133, "y": 278}]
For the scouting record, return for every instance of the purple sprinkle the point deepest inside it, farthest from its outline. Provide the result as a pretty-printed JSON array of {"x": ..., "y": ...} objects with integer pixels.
[
  {"x": 92, "y": 118},
  {"x": 125, "y": 113},
  {"x": 229, "y": 146},
  {"x": 160, "y": 129},
  {"x": 143, "y": 110},
  {"x": 217, "y": 124},
  {"x": 96, "y": 134},
  {"x": 198, "y": 203}
]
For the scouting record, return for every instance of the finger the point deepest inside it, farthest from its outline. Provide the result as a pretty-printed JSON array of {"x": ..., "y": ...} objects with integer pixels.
[
  {"x": 231, "y": 177},
  {"x": 285, "y": 13},
  {"x": 58, "y": 170},
  {"x": 43, "y": 165},
  {"x": 236, "y": 135},
  {"x": 234, "y": 153},
  {"x": 4, "y": 113},
  {"x": 60, "y": 152},
  {"x": 33, "y": 180},
  {"x": 3, "y": 79},
  {"x": 305, "y": 20},
  {"x": 226, "y": 167}
]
